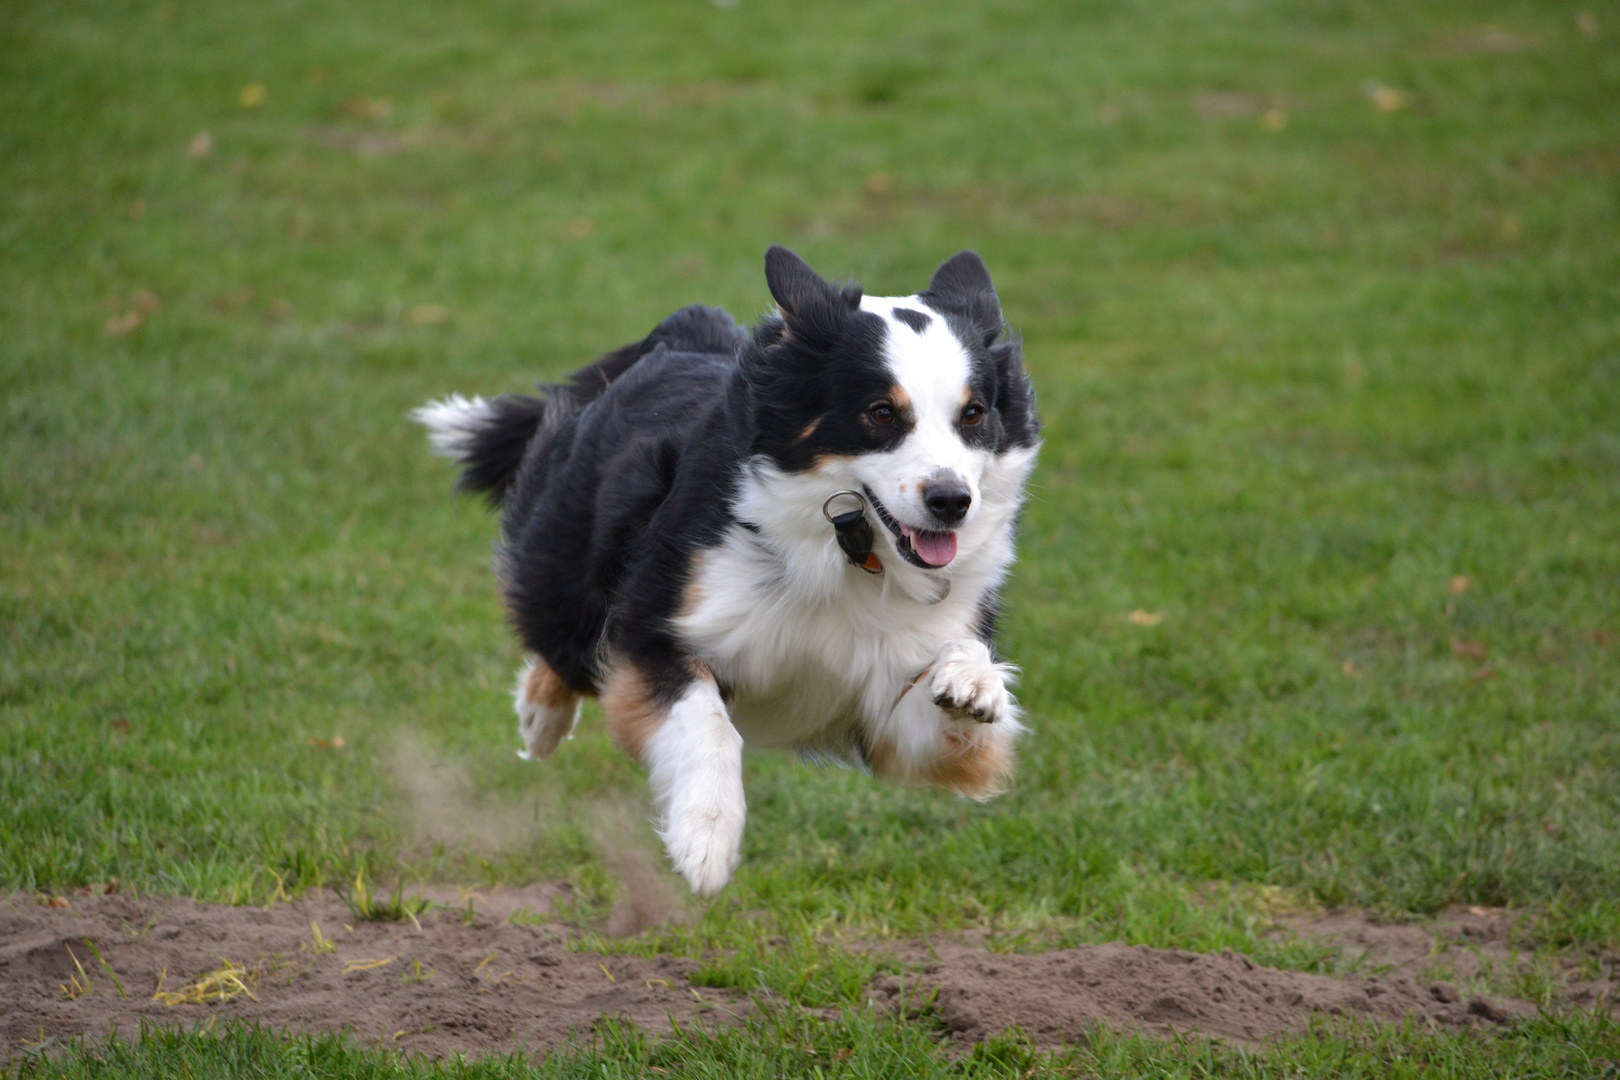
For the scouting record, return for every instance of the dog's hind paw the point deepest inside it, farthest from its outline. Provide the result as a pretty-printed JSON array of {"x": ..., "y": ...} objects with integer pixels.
[
  {"x": 547, "y": 711},
  {"x": 968, "y": 685}
]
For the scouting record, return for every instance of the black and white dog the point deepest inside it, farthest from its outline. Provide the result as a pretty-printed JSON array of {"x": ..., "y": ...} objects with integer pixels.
[{"x": 789, "y": 538}]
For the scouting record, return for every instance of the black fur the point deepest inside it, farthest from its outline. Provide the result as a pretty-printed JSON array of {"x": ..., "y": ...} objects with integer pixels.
[
  {"x": 611, "y": 482},
  {"x": 914, "y": 319}
]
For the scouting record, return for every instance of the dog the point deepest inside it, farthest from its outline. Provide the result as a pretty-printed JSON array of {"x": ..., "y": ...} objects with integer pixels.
[{"x": 791, "y": 537}]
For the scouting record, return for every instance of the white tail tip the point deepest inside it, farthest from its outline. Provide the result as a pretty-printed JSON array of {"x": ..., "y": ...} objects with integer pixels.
[{"x": 453, "y": 424}]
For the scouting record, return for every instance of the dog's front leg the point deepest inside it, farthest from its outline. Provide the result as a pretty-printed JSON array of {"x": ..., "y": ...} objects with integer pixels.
[
  {"x": 954, "y": 726},
  {"x": 693, "y": 758}
]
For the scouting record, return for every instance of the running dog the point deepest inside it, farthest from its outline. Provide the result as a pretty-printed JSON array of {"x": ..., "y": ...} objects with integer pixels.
[{"x": 790, "y": 537}]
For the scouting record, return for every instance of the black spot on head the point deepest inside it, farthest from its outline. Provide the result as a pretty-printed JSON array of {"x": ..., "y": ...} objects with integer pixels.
[{"x": 914, "y": 319}]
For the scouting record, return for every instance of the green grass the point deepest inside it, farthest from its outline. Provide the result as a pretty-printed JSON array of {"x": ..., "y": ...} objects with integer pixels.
[
  {"x": 1294, "y": 382},
  {"x": 789, "y": 1043}
]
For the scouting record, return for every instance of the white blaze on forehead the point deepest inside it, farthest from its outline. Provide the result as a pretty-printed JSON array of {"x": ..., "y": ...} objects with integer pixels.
[{"x": 929, "y": 364}]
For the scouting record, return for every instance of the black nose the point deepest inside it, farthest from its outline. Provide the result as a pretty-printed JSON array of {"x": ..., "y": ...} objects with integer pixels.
[{"x": 947, "y": 500}]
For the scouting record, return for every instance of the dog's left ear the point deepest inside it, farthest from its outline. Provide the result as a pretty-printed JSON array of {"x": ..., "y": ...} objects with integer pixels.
[{"x": 962, "y": 285}]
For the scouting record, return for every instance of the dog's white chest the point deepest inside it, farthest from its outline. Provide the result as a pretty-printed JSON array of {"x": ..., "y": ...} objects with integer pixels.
[{"x": 807, "y": 649}]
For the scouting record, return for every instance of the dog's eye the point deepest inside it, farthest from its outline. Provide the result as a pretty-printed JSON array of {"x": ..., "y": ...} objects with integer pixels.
[
  {"x": 972, "y": 414},
  {"x": 882, "y": 414}
]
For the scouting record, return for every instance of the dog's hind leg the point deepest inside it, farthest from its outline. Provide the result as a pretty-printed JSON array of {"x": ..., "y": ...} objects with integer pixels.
[
  {"x": 547, "y": 710},
  {"x": 693, "y": 758}
]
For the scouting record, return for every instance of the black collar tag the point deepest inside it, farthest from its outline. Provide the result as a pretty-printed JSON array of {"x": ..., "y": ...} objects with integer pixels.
[{"x": 853, "y": 531}]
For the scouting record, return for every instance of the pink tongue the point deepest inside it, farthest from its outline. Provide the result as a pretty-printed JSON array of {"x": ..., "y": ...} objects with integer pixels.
[{"x": 934, "y": 548}]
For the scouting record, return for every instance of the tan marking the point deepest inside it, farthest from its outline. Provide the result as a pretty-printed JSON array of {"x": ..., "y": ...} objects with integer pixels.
[
  {"x": 692, "y": 595},
  {"x": 901, "y": 399},
  {"x": 976, "y": 767},
  {"x": 633, "y": 714},
  {"x": 809, "y": 430},
  {"x": 822, "y": 461},
  {"x": 967, "y": 396},
  {"x": 544, "y": 687}
]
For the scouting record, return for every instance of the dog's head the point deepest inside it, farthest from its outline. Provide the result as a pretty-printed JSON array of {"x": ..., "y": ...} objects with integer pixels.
[{"x": 920, "y": 402}]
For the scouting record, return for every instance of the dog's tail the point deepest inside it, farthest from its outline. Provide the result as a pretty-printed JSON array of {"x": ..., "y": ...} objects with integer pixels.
[{"x": 489, "y": 438}]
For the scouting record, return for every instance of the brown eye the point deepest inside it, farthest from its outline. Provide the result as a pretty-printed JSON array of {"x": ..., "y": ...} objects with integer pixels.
[
  {"x": 972, "y": 414},
  {"x": 882, "y": 414}
]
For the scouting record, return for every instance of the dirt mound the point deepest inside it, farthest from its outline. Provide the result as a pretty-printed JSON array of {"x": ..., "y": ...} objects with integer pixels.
[
  {"x": 454, "y": 984},
  {"x": 1056, "y": 996},
  {"x": 497, "y": 976}
]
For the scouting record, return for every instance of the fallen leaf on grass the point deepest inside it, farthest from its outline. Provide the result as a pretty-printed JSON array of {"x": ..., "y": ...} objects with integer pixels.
[
  {"x": 124, "y": 325},
  {"x": 252, "y": 95},
  {"x": 58, "y": 902},
  {"x": 1274, "y": 120},
  {"x": 200, "y": 146},
  {"x": 428, "y": 315},
  {"x": 334, "y": 743},
  {"x": 1348, "y": 667},
  {"x": 1461, "y": 647},
  {"x": 1145, "y": 618},
  {"x": 369, "y": 108},
  {"x": 1458, "y": 585},
  {"x": 1387, "y": 99}
]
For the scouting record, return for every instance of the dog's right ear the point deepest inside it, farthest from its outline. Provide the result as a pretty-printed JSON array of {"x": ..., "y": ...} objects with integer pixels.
[{"x": 812, "y": 308}]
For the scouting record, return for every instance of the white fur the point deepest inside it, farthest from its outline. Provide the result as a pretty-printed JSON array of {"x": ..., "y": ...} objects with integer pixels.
[
  {"x": 541, "y": 727},
  {"x": 694, "y": 763},
  {"x": 452, "y": 423}
]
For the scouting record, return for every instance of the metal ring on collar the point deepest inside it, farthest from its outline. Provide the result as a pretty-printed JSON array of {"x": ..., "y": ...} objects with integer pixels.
[{"x": 853, "y": 494}]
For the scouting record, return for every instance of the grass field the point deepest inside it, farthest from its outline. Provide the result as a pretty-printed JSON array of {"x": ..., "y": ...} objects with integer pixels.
[{"x": 1322, "y": 301}]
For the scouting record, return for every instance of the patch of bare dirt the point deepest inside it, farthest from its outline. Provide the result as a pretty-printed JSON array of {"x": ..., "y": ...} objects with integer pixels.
[
  {"x": 450, "y": 984},
  {"x": 1056, "y": 996},
  {"x": 1462, "y": 948},
  {"x": 499, "y": 976}
]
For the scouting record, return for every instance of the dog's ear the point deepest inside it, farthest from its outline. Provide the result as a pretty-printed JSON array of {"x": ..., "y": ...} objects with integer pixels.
[
  {"x": 811, "y": 307},
  {"x": 962, "y": 285}
]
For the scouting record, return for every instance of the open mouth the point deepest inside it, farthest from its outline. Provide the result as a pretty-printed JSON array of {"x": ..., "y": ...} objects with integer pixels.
[{"x": 919, "y": 547}]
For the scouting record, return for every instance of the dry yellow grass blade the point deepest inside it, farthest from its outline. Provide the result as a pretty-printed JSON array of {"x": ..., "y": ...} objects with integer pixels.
[
  {"x": 322, "y": 944},
  {"x": 366, "y": 965},
  {"x": 218, "y": 985}
]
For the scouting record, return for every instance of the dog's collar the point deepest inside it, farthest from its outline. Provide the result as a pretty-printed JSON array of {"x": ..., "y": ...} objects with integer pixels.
[{"x": 853, "y": 531}]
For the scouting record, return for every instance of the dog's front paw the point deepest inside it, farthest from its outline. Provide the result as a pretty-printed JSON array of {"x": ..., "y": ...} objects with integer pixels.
[
  {"x": 968, "y": 685},
  {"x": 703, "y": 834}
]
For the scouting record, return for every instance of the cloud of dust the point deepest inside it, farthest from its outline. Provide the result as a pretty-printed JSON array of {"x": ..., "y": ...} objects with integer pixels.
[
  {"x": 651, "y": 894},
  {"x": 443, "y": 806}
]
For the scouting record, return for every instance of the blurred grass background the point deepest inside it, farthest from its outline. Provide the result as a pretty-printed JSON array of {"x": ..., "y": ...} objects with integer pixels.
[{"x": 1322, "y": 301}]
